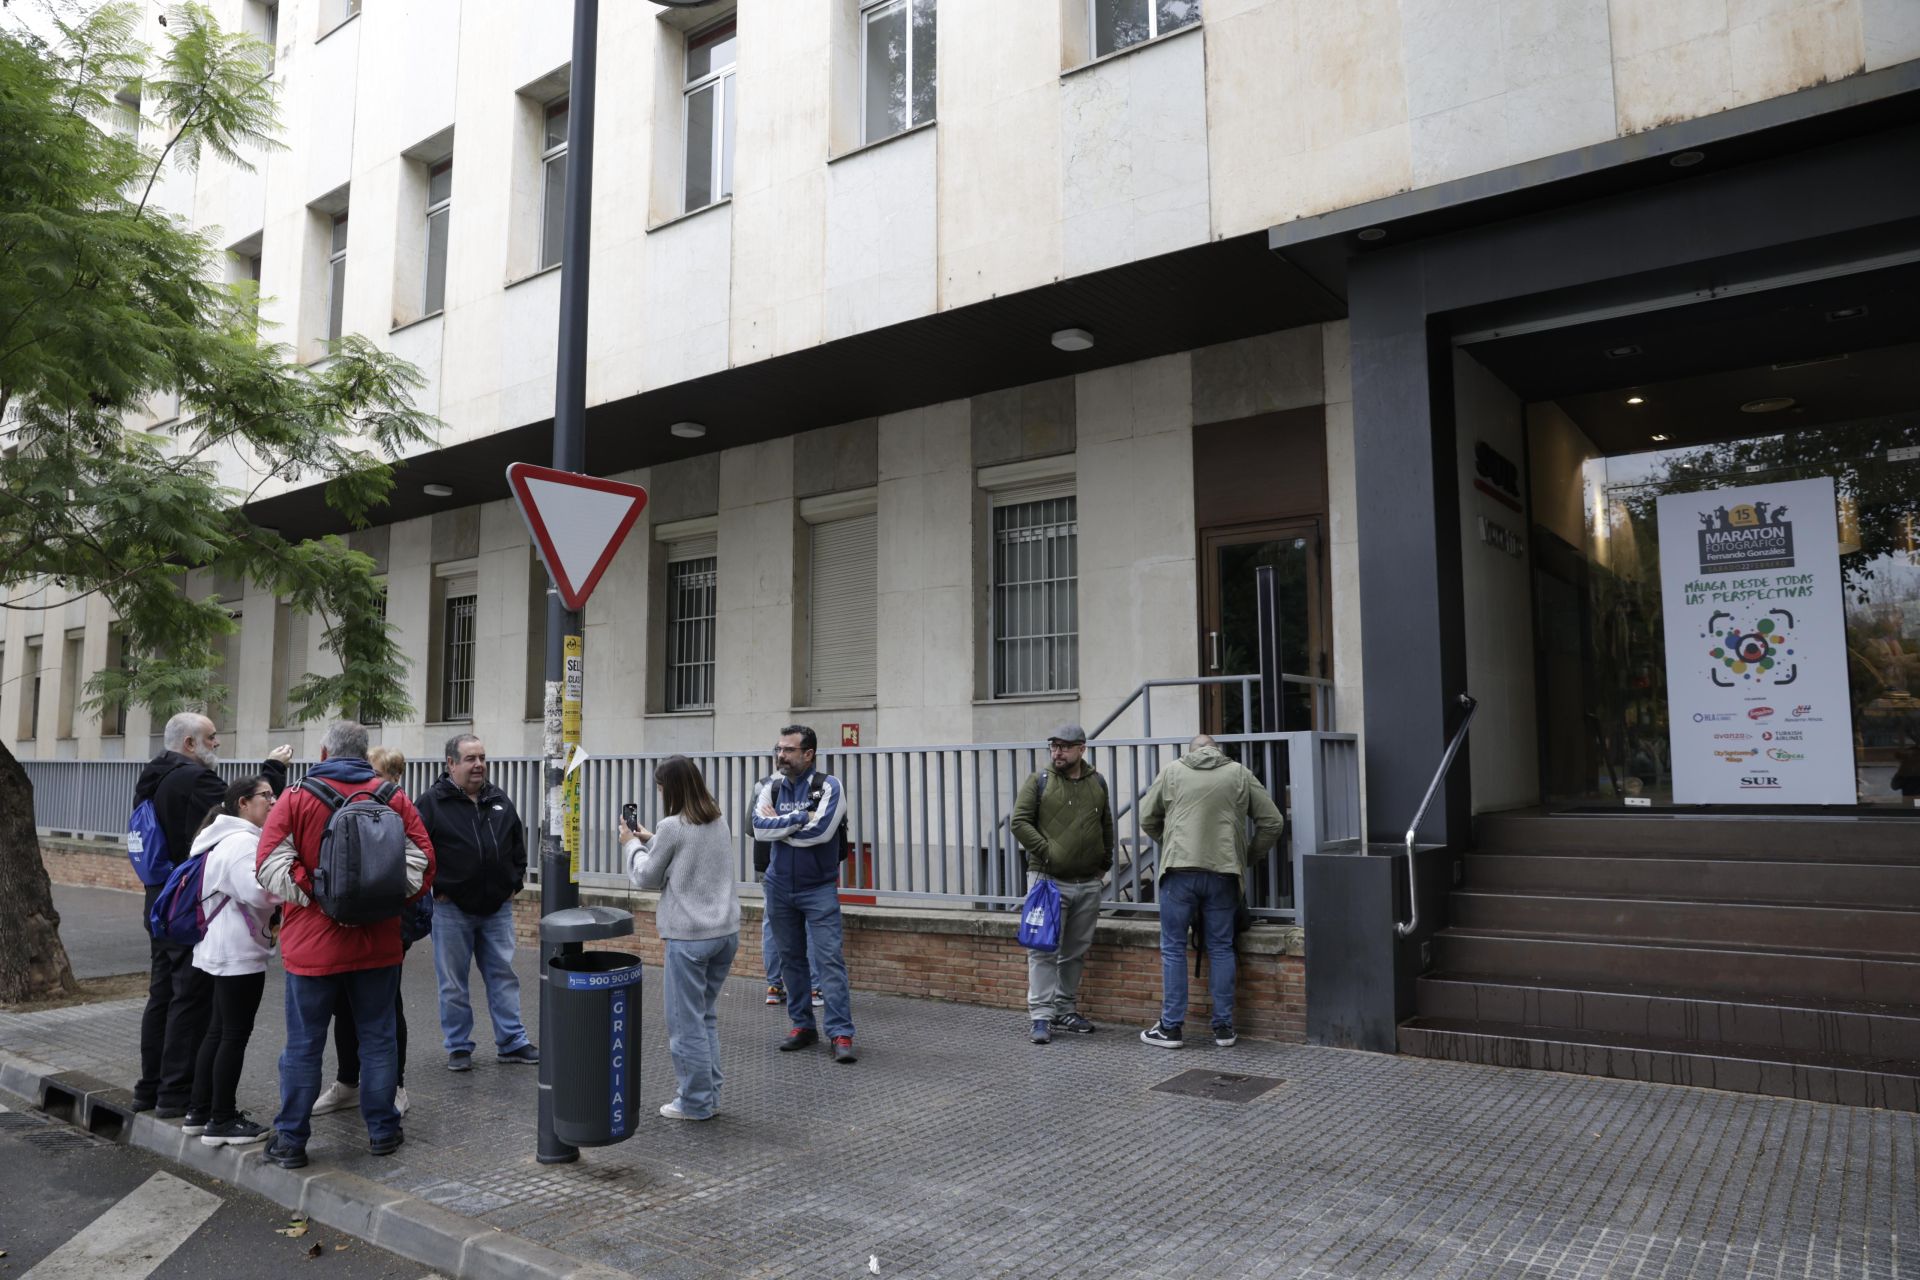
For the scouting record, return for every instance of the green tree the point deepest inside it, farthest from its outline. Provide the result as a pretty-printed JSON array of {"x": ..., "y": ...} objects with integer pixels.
[{"x": 108, "y": 302}]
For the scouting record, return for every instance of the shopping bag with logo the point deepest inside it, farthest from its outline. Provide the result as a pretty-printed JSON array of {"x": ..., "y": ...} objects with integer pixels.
[{"x": 1040, "y": 917}]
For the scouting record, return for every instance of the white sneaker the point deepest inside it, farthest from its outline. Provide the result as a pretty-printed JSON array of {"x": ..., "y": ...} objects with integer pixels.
[
  {"x": 336, "y": 1097},
  {"x": 400, "y": 1099},
  {"x": 671, "y": 1110}
]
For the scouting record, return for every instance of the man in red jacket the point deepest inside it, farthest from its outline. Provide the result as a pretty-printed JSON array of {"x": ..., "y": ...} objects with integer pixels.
[{"x": 324, "y": 959}]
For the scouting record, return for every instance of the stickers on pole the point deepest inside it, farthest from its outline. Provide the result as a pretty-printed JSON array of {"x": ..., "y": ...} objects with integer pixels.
[{"x": 577, "y": 522}]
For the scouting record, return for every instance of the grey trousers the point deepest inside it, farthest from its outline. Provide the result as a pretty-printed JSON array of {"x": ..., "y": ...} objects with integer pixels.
[{"x": 1053, "y": 977}]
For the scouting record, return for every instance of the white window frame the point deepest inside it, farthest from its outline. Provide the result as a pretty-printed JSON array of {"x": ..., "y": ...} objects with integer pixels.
[
  {"x": 1153, "y": 28},
  {"x": 870, "y": 10},
  {"x": 549, "y": 156},
  {"x": 1019, "y": 484},
  {"x": 442, "y": 208},
  {"x": 720, "y": 172},
  {"x": 464, "y": 584},
  {"x": 337, "y": 231},
  {"x": 695, "y": 542}
]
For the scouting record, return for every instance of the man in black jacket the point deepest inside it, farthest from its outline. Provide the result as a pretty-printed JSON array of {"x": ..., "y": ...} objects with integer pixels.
[
  {"x": 184, "y": 788},
  {"x": 481, "y": 847}
]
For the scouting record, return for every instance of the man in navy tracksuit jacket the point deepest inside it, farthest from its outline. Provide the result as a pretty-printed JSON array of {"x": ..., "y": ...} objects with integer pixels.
[{"x": 802, "y": 887}]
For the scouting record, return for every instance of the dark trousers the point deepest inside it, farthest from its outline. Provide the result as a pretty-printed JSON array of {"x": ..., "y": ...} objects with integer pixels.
[
  {"x": 346, "y": 1039},
  {"x": 216, "y": 1074},
  {"x": 179, "y": 1002}
]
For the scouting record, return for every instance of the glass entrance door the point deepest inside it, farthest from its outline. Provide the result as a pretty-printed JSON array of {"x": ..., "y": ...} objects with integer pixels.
[{"x": 1229, "y": 633}]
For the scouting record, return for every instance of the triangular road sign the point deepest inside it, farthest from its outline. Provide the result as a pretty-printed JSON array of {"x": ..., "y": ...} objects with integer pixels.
[{"x": 577, "y": 521}]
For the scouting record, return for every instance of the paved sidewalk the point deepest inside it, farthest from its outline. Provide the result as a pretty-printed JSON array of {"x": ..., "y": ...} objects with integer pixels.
[{"x": 956, "y": 1149}]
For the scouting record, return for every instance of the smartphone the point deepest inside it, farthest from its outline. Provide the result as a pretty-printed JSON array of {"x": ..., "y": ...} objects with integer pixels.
[{"x": 630, "y": 814}]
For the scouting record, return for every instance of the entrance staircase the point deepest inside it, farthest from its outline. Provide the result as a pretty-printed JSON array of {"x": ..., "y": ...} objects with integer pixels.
[{"x": 1774, "y": 956}]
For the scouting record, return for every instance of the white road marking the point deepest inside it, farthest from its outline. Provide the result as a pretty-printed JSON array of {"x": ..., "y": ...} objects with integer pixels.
[{"x": 133, "y": 1237}]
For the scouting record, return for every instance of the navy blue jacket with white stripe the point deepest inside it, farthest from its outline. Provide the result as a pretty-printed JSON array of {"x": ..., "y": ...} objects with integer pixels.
[{"x": 805, "y": 841}]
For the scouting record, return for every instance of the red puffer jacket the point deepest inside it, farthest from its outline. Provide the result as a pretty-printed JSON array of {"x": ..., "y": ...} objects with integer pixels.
[{"x": 312, "y": 945}]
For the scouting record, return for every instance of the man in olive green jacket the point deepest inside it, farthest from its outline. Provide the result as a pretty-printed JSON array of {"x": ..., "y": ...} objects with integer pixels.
[
  {"x": 1063, "y": 818},
  {"x": 1197, "y": 814}
]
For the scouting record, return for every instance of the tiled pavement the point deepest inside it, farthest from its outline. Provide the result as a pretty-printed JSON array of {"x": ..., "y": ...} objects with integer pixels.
[{"x": 956, "y": 1149}]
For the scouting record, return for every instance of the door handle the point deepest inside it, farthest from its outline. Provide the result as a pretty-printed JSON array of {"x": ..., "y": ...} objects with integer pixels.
[{"x": 1213, "y": 639}]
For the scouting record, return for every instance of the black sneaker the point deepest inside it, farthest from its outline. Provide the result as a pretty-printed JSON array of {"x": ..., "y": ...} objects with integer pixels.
[
  {"x": 800, "y": 1038},
  {"x": 460, "y": 1060},
  {"x": 1042, "y": 1032},
  {"x": 1223, "y": 1035},
  {"x": 170, "y": 1111},
  {"x": 194, "y": 1123},
  {"x": 386, "y": 1146},
  {"x": 285, "y": 1154},
  {"x": 237, "y": 1132},
  {"x": 141, "y": 1104},
  {"x": 526, "y": 1055},
  {"x": 1078, "y": 1023},
  {"x": 1162, "y": 1036}
]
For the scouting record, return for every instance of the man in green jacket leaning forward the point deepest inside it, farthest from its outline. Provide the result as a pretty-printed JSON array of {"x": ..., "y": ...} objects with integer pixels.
[
  {"x": 1197, "y": 813},
  {"x": 1063, "y": 818}
]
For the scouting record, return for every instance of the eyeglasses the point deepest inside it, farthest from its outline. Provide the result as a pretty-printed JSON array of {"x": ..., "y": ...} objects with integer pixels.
[{"x": 262, "y": 795}]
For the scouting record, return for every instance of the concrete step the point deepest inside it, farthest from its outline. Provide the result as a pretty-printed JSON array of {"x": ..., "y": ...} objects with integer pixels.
[
  {"x": 1813, "y": 883},
  {"x": 1792, "y": 1027},
  {"x": 1890, "y": 839},
  {"x": 1739, "y": 971},
  {"x": 1856, "y": 930},
  {"x": 1841, "y": 1078}
]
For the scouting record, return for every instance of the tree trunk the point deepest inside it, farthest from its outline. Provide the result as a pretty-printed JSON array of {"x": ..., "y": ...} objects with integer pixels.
[{"x": 33, "y": 962}]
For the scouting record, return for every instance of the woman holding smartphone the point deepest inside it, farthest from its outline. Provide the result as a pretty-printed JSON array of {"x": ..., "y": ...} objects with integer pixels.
[{"x": 689, "y": 860}]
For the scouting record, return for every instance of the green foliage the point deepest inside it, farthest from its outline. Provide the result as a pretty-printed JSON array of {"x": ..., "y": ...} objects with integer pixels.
[{"x": 109, "y": 304}]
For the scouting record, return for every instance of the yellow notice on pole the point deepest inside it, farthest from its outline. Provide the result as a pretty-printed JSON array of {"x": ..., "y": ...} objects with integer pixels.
[{"x": 573, "y": 686}]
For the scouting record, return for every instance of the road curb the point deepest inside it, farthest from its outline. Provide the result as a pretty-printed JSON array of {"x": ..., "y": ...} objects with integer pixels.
[{"x": 456, "y": 1246}]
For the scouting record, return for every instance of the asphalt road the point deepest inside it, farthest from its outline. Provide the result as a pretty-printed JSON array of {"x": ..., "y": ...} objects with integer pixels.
[{"x": 77, "y": 1207}]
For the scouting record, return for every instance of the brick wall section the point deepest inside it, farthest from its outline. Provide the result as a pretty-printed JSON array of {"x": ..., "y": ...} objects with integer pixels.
[{"x": 966, "y": 956}]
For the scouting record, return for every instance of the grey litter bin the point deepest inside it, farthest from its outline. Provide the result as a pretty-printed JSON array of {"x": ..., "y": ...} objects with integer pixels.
[{"x": 593, "y": 1038}]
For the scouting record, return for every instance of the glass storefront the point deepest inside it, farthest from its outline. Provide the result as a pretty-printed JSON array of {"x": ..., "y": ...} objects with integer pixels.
[{"x": 1600, "y": 627}]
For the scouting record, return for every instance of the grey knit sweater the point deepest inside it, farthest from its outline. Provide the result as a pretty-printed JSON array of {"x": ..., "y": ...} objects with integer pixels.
[{"x": 692, "y": 867}]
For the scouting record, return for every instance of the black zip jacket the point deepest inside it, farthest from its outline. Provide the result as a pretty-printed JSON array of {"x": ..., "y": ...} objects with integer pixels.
[
  {"x": 184, "y": 791},
  {"x": 479, "y": 846}
]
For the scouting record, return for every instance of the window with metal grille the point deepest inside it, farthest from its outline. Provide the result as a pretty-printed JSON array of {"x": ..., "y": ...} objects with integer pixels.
[
  {"x": 456, "y": 666},
  {"x": 1036, "y": 615},
  {"x": 690, "y": 627},
  {"x": 363, "y": 714}
]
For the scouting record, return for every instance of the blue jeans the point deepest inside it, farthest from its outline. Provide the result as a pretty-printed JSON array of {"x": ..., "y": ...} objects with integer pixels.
[
  {"x": 309, "y": 1005},
  {"x": 806, "y": 923},
  {"x": 771, "y": 954},
  {"x": 459, "y": 940},
  {"x": 695, "y": 972},
  {"x": 1214, "y": 898}
]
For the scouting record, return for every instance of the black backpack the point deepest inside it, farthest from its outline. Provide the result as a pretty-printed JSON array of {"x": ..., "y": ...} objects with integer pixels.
[
  {"x": 361, "y": 875},
  {"x": 763, "y": 850}
]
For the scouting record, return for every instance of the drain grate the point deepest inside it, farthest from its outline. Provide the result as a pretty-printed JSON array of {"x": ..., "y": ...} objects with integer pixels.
[
  {"x": 1218, "y": 1086},
  {"x": 60, "y": 1138},
  {"x": 16, "y": 1120}
]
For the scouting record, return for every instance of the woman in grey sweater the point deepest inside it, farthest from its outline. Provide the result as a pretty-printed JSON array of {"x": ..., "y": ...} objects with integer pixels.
[{"x": 690, "y": 860}]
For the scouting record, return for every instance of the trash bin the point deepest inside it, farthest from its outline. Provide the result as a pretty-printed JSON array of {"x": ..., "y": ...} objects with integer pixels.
[{"x": 593, "y": 1035}]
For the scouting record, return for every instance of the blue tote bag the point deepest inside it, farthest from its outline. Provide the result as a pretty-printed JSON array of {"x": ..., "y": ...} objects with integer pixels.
[{"x": 1040, "y": 917}]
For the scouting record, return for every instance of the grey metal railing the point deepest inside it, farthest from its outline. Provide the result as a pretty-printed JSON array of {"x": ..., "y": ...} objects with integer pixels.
[
  {"x": 1405, "y": 927},
  {"x": 1322, "y": 692},
  {"x": 924, "y": 823}
]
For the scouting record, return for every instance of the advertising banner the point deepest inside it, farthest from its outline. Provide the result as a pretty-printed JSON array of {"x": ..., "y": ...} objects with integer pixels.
[{"x": 1756, "y": 647}]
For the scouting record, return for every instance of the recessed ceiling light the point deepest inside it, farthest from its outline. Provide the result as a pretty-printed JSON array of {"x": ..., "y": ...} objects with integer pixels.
[
  {"x": 1846, "y": 313},
  {"x": 1622, "y": 352},
  {"x": 1072, "y": 339},
  {"x": 1768, "y": 404},
  {"x": 1686, "y": 159},
  {"x": 1659, "y": 435},
  {"x": 1636, "y": 399},
  {"x": 1370, "y": 234},
  {"x": 437, "y": 490},
  {"x": 689, "y": 430}
]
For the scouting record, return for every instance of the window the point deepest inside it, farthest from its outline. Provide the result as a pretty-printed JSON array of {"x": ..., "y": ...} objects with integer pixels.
[
  {"x": 73, "y": 656},
  {"x": 1120, "y": 24},
  {"x": 896, "y": 66},
  {"x": 842, "y": 617},
  {"x": 363, "y": 714},
  {"x": 439, "y": 210},
  {"x": 262, "y": 21},
  {"x": 692, "y": 574},
  {"x": 30, "y": 690},
  {"x": 1036, "y": 629},
  {"x": 336, "y": 276},
  {"x": 457, "y": 651},
  {"x": 113, "y": 716},
  {"x": 226, "y": 670},
  {"x": 553, "y": 201},
  {"x": 289, "y": 660},
  {"x": 334, "y": 13},
  {"x": 126, "y": 114},
  {"x": 709, "y": 115}
]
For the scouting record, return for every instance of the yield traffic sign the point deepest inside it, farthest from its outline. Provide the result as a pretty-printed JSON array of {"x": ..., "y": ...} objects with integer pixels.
[{"x": 577, "y": 521}]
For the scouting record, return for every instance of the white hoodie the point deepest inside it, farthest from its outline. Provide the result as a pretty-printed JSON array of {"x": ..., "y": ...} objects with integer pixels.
[{"x": 237, "y": 940}]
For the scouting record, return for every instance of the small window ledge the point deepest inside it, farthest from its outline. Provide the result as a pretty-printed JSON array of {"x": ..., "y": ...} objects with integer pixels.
[
  {"x": 1105, "y": 58},
  {"x": 680, "y": 715},
  {"x": 414, "y": 324},
  {"x": 690, "y": 214},
  {"x": 865, "y": 147},
  {"x": 345, "y": 22},
  {"x": 1027, "y": 699},
  {"x": 532, "y": 275}
]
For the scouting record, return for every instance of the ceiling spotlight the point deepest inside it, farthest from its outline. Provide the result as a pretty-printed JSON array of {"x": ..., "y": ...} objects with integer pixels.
[
  {"x": 689, "y": 430},
  {"x": 1686, "y": 159},
  {"x": 1072, "y": 339},
  {"x": 1659, "y": 436},
  {"x": 1636, "y": 399},
  {"x": 1846, "y": 313},
  {"x": 1622, "y": 352},
  {"x": 437, "y": 490},
  {"x": 1370, "y": 234},
  {"x": 1768, "y": 404}
]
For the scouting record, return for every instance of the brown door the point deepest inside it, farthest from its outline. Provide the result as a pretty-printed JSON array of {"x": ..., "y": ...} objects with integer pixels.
[{"x": 1229, "y": 630}]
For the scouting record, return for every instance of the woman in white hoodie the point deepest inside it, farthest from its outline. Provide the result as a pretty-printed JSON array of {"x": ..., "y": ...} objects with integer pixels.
[{"x": 238, "y": 943}]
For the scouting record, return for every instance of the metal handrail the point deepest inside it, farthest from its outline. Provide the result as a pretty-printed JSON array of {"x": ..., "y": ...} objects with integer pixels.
[
  {"x": 1246, "y": 683},
  {"x": 1472, "y": 704}
]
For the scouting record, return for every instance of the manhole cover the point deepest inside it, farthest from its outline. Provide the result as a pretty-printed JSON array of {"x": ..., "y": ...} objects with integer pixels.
[{"x": 1218, "y": 1086}]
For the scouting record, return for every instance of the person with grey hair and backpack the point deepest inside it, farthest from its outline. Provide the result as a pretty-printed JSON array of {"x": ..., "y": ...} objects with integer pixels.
[{"x": 346, "y": 852}]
